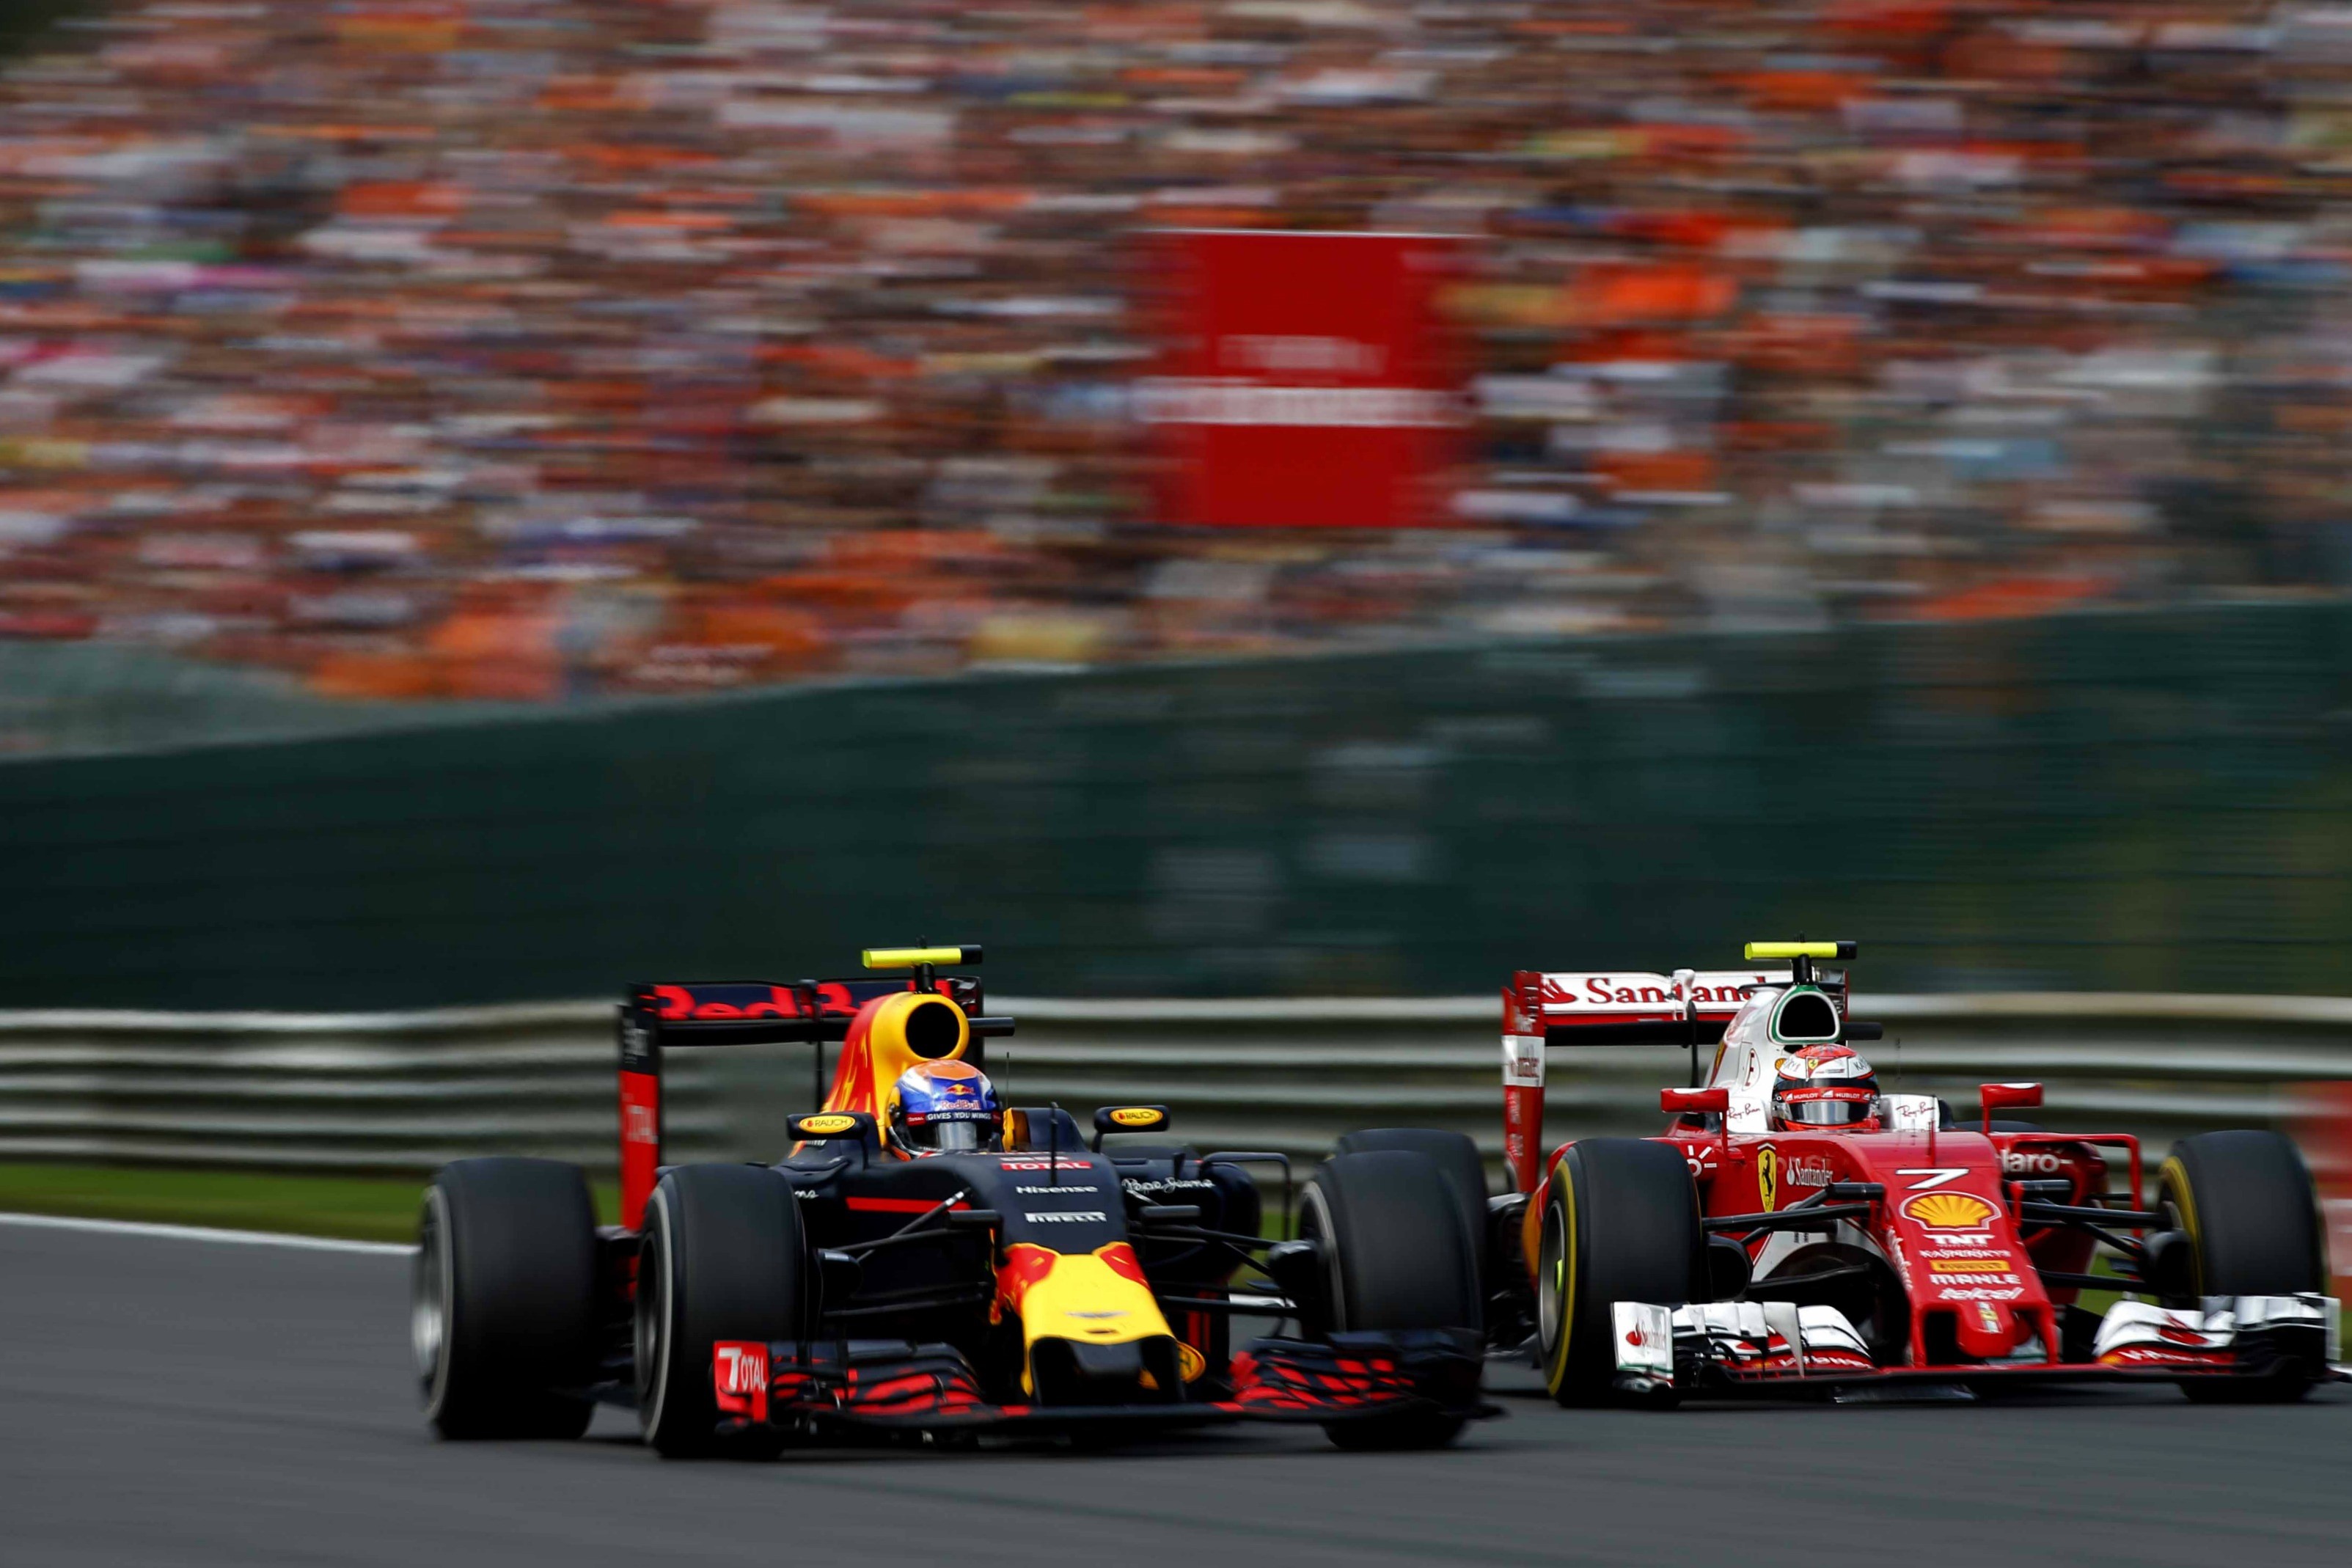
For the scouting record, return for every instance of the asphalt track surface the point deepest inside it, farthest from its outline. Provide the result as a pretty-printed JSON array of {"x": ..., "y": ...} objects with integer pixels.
[{"x": 166, "y": 1401}]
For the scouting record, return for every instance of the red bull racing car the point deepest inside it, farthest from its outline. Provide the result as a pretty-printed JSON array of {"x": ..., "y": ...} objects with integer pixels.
[
  {"x": 1796, "y": 1229},
  {"x": 924, "y": 1261}
]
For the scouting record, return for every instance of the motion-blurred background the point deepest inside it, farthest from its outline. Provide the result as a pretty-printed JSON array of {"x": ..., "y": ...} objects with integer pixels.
[{"x": 500, "y": 498}]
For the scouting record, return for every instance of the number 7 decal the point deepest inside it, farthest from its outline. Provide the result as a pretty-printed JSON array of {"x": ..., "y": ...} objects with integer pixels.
[{"x": 1932, "y": 1175}]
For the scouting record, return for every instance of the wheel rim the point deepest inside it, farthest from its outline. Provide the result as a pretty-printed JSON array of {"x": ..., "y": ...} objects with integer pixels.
[
  {"x": 2178, "y": 1208},
  {"x": 428, "y": 1303},
  {"x": 651, "y": 1338},
  {"x": 649, "y": 1329},
  {"x": 1314, "y": 1224},
  {"x": 1551, "y": 1264}
]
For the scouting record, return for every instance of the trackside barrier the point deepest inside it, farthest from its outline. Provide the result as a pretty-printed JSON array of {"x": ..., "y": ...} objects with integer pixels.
[
  {"x": 355, "y": 1091},
  {"x": 403, "y": 1091}
]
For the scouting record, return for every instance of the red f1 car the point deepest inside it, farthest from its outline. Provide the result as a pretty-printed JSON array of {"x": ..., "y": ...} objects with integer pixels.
[
  {"x": 924, "y": 1261},
  {"x": 1796, "y": 1229}
]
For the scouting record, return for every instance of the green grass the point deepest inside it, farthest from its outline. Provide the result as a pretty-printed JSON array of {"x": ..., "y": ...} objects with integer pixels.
[
  {"x": 2100, "y": 1300},
  {"x": 362, "y": 1208}
]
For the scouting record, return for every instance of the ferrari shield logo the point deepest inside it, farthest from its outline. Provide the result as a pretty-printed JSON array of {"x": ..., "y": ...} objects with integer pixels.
[{"x": 1768, "y": 1177}]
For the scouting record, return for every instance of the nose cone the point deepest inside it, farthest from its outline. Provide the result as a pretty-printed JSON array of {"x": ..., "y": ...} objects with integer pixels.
[
  {"x": 1094, "y": 1334},
  {"x": 1988, "y": 1330}
]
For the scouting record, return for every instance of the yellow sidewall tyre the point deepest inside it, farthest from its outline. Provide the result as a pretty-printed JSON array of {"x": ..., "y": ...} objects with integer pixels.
[
  {"x": 1621, "y": 1223},
  {"x": 2244, "y": 1199}
]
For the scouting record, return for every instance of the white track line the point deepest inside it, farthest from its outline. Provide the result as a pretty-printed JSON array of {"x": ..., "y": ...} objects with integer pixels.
[{"x": 203, "y": 1233}]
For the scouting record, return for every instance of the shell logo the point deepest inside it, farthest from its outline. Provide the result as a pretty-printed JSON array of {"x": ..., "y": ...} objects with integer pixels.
[{"x": 1950, "y": 1211}]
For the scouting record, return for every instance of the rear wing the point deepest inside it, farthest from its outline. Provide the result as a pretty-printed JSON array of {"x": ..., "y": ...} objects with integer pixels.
[
  {"x": 654, "y": 1017},
  {"x": 1690, "y": 1008},
  {"x": 1622, "y": 1008}
]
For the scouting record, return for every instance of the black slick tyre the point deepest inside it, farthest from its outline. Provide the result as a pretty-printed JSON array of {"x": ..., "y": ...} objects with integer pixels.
[
  {"x": 2245, "y": 1201},
  {"x": 1621, "y": 1223},
  {"x": 722, "y": 1257},
  {"x": 502, "y": 1310},
  {"x": 1400, "y": 1255},
  {"x": 1456, "y": 1157}
]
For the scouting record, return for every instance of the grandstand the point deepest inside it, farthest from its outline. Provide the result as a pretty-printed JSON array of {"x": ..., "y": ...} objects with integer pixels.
[{"x": 513, "y": 351}]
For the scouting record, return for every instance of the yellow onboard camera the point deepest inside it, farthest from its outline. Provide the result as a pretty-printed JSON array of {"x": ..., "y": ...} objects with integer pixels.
[
  {"x": 1758, "y": 951},
  {"x": 918, "y": 957},
  {"x": 1800, "y": 955}
]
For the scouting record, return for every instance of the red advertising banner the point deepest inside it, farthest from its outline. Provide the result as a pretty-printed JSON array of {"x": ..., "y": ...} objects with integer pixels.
[{"x": 1307, "y": 380}]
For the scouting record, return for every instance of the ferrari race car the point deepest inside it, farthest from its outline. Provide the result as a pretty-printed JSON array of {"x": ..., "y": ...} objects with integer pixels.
[
  {"x": 925, "y": 1261},
  {"x": 1797, "y": 1230}
]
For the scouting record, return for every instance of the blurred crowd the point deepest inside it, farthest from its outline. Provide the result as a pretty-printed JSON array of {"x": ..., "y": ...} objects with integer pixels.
[{"x": 522, "y": 349}]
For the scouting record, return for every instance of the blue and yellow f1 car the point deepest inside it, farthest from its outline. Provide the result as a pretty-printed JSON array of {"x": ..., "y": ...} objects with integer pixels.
[{"x": 1046, "y": 1284}]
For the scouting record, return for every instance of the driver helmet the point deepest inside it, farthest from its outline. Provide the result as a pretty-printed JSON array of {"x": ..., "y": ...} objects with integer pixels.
[
  {"x": 1825, "y": 1085},
  {"x": 941, "y": 1108}
]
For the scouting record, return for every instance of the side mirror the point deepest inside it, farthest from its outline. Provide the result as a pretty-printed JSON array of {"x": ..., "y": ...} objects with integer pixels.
[
  {"x": 1686, "y": 1101},
  {"x": 824, "y": 1126},
  {"x": 2006, "y": 1096},
  {"x": 1861, "y": 1029},
  {"x": 838, "y": 1276},
  {"x": 1129, "y": 1119}
]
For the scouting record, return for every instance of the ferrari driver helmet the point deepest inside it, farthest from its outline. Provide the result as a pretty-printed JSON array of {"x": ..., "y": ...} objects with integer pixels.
[
  {"x": 940, "y": 1108},
  {"x": 1825, "y": 1085}
]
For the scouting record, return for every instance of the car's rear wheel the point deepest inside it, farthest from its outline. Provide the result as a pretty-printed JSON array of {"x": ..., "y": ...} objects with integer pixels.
[
  {"x": 722, "y": 1257},
  {"x": 2245, "y": 1204},
  {"x": 1621, "y": 1223},
  {"x": 502, "y": 1310},
  {"x": 1400, "y": 1255}
]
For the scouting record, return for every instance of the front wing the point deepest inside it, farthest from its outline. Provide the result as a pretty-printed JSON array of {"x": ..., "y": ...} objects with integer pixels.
[
  {"x": 895, "y": 1385},
  {"x": 1772, "y": 1347}
]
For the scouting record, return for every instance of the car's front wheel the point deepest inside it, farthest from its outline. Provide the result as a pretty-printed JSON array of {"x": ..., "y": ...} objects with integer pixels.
[
  {"x": 2245, "y": 1205},
  {"x": 1401, "y": 1256},
  {"x": 1621, "y": 1223},
  {"x": 502, "y": 1299},
  {"x": 721, "y": 1258}
]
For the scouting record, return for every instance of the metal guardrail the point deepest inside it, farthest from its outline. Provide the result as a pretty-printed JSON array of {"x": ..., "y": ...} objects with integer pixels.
[
  {"x": 368, "y": 1091},
  {"x": 404, "y": 1091}
]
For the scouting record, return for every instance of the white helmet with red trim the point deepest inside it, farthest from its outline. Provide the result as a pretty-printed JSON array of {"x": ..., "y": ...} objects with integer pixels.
[{"x": 1821, "y": 1087}]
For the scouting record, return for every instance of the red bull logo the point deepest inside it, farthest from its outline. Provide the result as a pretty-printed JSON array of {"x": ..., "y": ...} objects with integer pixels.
[{"x": 677, "y": 1003}]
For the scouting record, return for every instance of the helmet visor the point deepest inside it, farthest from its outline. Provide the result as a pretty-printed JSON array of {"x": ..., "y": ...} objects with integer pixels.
[
  {"x": 951, "y": 1137},
  {"x": 1825, "y": 1112}
]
